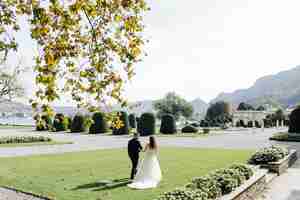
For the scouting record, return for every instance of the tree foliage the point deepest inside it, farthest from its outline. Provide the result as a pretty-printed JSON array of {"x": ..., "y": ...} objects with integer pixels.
[
  {"x": 91, "y": 44},
  {"x": 218, "y": 109},
  {"x": 175, "y": 105}
]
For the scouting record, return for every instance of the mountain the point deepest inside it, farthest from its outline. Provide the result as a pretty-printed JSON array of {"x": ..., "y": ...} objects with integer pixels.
[{"x": 281, "y": 89}]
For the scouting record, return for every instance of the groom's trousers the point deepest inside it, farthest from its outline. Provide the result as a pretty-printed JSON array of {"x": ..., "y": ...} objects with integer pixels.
[{"x": 134, "y": 161}]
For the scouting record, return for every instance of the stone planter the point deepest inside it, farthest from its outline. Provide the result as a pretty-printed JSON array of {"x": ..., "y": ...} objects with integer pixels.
[
  {"x": 282, "y": 165},
  {"x": 251, "y": 188}
]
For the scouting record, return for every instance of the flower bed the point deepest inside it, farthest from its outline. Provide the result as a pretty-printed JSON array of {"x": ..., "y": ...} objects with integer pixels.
[
  {"x": 275, "y": 159},
  {"x": 212, "y": 186},
  {"x": 23, "y": 139},
  {"x": 268, "y": 154},
  {"x": 283, "y": 164}
]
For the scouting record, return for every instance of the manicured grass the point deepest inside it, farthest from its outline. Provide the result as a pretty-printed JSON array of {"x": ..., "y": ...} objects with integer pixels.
[
  {"x": 34, "y": 144},
  {"x": 74, "y": 176}
]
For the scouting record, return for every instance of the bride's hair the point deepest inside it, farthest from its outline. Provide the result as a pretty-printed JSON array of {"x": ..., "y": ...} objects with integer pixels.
[{"x": 152, "y": 142}]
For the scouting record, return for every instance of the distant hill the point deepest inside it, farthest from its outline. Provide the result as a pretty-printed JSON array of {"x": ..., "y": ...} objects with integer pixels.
[{"x": 282, "y": 89}]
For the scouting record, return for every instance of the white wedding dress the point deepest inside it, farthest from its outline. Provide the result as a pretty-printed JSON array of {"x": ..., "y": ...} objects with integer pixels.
[{"x": 149, "y": 173}]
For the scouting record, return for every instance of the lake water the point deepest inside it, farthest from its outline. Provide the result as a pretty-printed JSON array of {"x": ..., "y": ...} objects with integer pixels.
[{"x": 17, "y": 121}]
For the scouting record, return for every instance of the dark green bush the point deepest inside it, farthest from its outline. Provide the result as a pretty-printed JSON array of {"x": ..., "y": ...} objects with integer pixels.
[
  {"x": 132, "y": 120},
  {"x": 268, "y": 154},
  {"x": 23, "y": 139},
  {"x": 99, "y": 124},
  {"x": 189, "y": 129},
  {"x": 78, "y": 124},
  {"x": 168, "y": 124},
  {"x": 60, "y": 123},
  {"x": 147, "y": 124},
  {"x": 250, "y": 124},
  {"x": 124, "y": 130},
  {"x": 280, "y": 137},
  {"x": 294, "y": 124}
]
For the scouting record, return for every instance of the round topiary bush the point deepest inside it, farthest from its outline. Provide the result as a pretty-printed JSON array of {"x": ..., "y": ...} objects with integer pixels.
[
  {"x": 60, "y": 122},
  {"x": 99, "y": 124},
  {"x": 132, "y": 120},
  {"x": 294, "y": 124},
  {"x": 189, "y": 129},
  {"x": 147, "y": 124},
  {"x": 168, "y": 124},
  {"x": 124, "y": 130},
  {"x": 78, "y": 124}
]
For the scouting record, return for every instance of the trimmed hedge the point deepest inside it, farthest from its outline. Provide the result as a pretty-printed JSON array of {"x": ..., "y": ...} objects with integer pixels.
[
  {"x": 294, "y": 124},
  {"x": 147, "y": 124},
  {"x": 124, "y": 130},
  {"x": 132, "y": 120},
  {"x": 168, "y": 124},
  {"x": 99, "y": 124},
  {"x": 23, "y": 139},
  {"x": 212, "y": 186},
  {"x": 78, "y": 124},
  {"x": 60, "y": 122},
  {"x": 268, "y": 154},
  {"x": 189, "y": 129}
]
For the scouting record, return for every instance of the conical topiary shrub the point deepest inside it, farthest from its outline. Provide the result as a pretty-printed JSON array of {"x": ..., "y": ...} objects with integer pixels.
[
  {"x": 60, "y": 122},
  {"x": 124, "y": 130},
  {"x": 132, "y": 120},
  {"x": 78, "y": 124},
  {"x": 168, "y": 124},
  {"x": 147, "y": 124},
  {"x": 294, "y": 125},
  {"x": 99, "y": 125}
]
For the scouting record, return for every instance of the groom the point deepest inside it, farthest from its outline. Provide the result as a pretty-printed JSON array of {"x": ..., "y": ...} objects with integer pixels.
[{"x": 134, "y": 148}]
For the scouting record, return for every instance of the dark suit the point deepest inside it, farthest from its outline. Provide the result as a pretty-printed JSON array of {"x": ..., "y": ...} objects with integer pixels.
[{"x": 134, "y": 148}]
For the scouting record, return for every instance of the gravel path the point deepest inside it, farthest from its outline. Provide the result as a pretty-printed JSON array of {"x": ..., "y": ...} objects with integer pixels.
[{"x": 6, "y": 194}]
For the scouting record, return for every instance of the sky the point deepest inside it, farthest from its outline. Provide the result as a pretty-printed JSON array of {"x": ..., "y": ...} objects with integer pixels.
[{"x": 205, "y": 47}]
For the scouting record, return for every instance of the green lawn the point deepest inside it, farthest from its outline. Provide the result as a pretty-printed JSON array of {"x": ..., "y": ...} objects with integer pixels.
[
  {"x": 74, "y": 176},
  {"x": 34, "y": 144}
]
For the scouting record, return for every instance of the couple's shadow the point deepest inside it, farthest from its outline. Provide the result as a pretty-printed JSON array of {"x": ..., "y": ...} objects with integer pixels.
[{"x": 104, "y": 184}]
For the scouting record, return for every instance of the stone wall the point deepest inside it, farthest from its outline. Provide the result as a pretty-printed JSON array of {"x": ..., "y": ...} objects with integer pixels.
[{"x": 253, "y": 191}]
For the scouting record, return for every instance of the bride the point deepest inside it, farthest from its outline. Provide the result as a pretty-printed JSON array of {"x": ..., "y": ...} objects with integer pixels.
[{"x": 149, "y": 173}]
